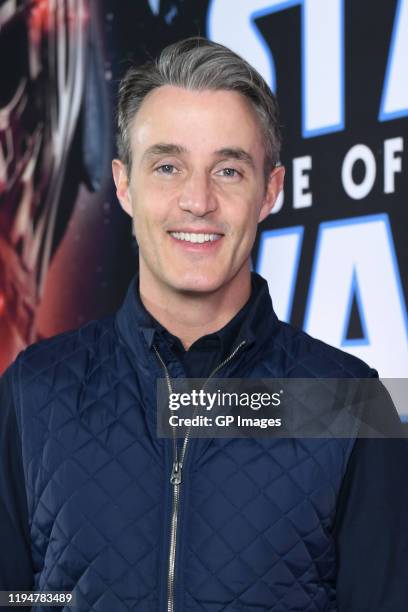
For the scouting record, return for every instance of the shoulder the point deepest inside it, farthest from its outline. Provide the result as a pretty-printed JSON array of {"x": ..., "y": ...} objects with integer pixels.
[
  {"x": 49, "y": 374},
  {"x": 306, "y": 356},
  {"x": 70, "y": 351}
]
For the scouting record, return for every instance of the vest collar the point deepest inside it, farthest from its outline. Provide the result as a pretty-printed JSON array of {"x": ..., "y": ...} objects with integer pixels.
[{"x": 136, "y": 324}]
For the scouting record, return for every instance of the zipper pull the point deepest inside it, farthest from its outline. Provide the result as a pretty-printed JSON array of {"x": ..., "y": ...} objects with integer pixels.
[{"x": 175, "y": 477}]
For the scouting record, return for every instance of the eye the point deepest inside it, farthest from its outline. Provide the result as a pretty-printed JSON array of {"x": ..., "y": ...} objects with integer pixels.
[
  {"x": 229, "y": 173},
  {"x": 168, "y": 169}
]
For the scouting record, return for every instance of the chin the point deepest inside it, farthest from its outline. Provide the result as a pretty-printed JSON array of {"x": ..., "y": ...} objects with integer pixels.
[{"x": 194, "y": 283}]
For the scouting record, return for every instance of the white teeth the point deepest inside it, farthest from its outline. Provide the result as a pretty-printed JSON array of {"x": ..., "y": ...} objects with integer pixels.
[{"x": 193, "y": 237}]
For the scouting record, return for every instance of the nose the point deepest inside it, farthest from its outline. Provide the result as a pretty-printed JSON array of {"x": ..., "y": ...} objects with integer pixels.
[{"x": 197, "y": 196}]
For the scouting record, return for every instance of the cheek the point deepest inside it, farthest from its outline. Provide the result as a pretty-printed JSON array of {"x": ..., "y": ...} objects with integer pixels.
[
  {"x": 244, "y": 217},
  {"x": 148, "y": 210},
  {"x": 150, "y": 217}
]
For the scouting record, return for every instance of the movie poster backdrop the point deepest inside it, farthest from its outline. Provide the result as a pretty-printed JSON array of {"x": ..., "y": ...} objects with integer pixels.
[{"x": 335, "y": 248}]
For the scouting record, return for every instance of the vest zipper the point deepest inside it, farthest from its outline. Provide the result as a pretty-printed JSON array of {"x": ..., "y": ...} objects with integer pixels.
[{"x": 175, "y": 477}]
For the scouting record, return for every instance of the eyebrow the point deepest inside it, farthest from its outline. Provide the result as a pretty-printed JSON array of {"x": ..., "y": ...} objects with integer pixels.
[
  {"x": 236, "y": 153},
  {"x": 164, "y": 148}
]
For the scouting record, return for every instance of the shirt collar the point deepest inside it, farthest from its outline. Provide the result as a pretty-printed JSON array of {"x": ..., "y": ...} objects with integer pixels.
[
  {"x": 221, "y": 339},
  {"x": 248, "y": 325}
]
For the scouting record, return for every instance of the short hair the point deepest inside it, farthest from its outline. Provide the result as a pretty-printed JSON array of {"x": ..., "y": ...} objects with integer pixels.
[{"x": 198, "y": 64}]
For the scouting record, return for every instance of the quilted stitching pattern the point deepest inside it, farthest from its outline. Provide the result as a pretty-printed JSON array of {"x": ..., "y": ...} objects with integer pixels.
[
  {"x": 94, "y": 479},
  {"x": 261, "y": 510},
  {"x": 260, "y": 519},
  {"x": 256, "y": 515}
]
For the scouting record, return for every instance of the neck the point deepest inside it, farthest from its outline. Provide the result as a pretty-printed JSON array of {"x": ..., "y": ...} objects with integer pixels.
[{"x": 189, "y": 315}]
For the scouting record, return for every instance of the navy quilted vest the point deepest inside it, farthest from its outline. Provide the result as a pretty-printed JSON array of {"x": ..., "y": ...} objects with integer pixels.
[{"x": 255, "y": 517}]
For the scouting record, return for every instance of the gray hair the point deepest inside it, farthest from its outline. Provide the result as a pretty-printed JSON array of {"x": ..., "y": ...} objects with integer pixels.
[{"x": 198, "y": 64}]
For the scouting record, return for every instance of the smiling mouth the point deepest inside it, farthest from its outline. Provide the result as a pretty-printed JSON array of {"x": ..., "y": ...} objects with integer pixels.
[{"x": 195, "y": 237}]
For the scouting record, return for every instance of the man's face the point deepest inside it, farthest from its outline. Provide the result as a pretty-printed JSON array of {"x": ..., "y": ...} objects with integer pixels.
[{"x": 196, "y": 189}]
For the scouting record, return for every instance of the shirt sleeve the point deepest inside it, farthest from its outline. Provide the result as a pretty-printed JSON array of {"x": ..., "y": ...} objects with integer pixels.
[
  {"x": 371, "y": 527},
  {"x": 16, "y": 572}
]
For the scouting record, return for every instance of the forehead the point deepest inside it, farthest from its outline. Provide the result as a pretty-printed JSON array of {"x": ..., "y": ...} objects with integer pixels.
[{"x": 204, "y": 120}]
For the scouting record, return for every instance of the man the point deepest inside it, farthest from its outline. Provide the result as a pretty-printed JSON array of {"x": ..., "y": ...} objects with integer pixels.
[{"x": 93, "y": 501}]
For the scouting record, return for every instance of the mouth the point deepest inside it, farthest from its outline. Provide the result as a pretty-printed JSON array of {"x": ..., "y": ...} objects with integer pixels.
[{"x": 196, "y": 237}]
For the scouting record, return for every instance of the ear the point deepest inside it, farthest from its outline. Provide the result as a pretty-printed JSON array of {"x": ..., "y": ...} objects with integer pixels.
[
  {"x": 120, "y": 176},
  {"x": 273, "y": 189}
]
